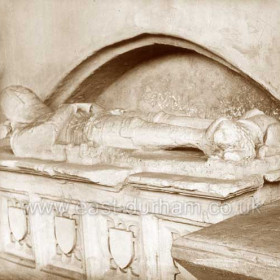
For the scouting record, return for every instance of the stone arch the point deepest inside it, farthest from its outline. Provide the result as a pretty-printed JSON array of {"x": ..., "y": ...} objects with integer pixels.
[{"x": 106, "y": 65}]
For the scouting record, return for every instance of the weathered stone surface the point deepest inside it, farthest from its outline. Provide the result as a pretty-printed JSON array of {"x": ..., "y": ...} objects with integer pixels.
[
  {"x": 121, "y": 247},
  {"x": 102, "y": 174},
  {"x": 17, "y": 222},
  {"x": 65, "y": 233},
  {"x": 10, "y": 271},
  {"x": 231, "y": 30},
  {"x": 243, "y": 247},
  {"x": 83, "y": 130},
  {"x": 197, "y": 186},
  {"x": 175, "y": 66},
  {"x": 155, "y": 89}
]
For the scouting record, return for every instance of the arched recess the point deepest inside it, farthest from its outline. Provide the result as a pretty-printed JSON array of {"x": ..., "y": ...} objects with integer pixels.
[{"x": 109, "y": 63}]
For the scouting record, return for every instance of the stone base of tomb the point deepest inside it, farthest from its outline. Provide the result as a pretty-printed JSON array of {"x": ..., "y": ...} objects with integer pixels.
[{"x": 109, "y": 222}]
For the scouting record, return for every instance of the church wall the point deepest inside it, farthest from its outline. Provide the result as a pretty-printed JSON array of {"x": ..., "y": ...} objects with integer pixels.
[{"x": 41, "y": 41}]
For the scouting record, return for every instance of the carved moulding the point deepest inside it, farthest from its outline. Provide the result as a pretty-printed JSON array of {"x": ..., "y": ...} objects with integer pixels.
[
  {"x": 16, "y": 231},
  {"x": 67, "y": 258}
]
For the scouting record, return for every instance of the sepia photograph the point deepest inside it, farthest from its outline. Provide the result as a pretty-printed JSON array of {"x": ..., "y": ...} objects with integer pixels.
[{"x": 140, "y": 139}]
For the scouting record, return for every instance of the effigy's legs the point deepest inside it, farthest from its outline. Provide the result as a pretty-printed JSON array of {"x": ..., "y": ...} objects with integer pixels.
[
  {"x": 133, "y": 133},
  {"x": 168, "y": 136}
]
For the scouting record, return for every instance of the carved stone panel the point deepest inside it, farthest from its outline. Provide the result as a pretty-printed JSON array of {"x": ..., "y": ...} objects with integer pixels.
[
  {"x": 121, "y": 247},
  {"x": 17, "y": 222},
  {"x": 16, "y": 231},
  {"x": 124, "y": 245},
  {"x": 66, "y": 258},
  {"x": 65, "y": 233},
  {"x": 69, "y": 246}
]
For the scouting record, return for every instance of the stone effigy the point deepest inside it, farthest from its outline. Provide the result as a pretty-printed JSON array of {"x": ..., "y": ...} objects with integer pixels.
[
  {"x": 140, "y": 166},
  {"x": 38, "y": 132}
]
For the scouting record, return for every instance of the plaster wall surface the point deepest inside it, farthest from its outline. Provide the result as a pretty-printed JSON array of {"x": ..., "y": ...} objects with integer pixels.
[{"x": 41, "y": 41}]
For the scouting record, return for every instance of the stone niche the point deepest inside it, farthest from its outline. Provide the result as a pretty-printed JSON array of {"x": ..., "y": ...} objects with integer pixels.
[
  {"x": 173, "y": 80},
  {"x": 118, "y": 219}
]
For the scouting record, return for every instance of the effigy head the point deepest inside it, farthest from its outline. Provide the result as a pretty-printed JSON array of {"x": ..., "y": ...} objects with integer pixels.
[
  {"x": 229, "y": 140},
  {"x": 21, "y": 105}
]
